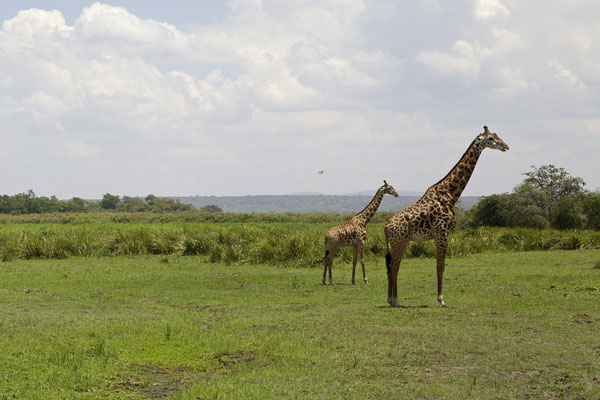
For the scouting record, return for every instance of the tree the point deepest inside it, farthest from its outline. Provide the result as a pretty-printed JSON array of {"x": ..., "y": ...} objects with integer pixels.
[
  {"x": 109, "y": 202},
  {"x": 549, "y": 196},
  {"x": 521, "y": 210},
  {"x": 211, "y": 208},
  {"x": 558, "y": 195},
  {"x": 591, "y": 209},
  {"x": 490, "y": 211},
  {"x": 555, "y": 182},
  {"x": 567, "y": 213},
  {"x": 132, "y": 204},
  {"x": 150, "y": 200},
  {"x": 76, "y": 204},
  {"x": 528, "y": 193}
]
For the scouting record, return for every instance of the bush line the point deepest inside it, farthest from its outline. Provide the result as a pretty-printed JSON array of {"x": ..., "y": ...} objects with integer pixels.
[{"x": 281, "y": 244}]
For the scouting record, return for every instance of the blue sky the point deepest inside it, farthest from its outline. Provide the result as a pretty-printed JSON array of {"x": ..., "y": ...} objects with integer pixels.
[{"x": 256, "y": 96}]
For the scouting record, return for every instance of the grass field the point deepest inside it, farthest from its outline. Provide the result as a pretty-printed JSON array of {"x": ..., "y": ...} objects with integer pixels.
[{"x": 518, "y": 325}]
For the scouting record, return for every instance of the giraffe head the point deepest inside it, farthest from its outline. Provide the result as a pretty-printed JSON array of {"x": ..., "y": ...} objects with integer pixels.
[
  {"x": 388, "y": 189},
  {"x": 491, "y": 140}
]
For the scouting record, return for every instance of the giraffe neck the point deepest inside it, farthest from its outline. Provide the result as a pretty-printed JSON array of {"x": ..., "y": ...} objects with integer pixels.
[
  {"x": 363, "y": 217},
  {"x": 453, "y": 184}
]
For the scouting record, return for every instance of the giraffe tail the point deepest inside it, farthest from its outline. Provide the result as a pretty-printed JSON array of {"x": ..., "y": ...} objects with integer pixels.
[
  {"x": 388, "y": 261},
  {"x": 326, "y": 254},
  {"x": 388, "y": 255}
]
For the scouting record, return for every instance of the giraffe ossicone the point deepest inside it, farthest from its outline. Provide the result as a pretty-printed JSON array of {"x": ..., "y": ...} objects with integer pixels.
[
  {"x": 432, "y": 216},
  {"x": 353, "y": 233}
]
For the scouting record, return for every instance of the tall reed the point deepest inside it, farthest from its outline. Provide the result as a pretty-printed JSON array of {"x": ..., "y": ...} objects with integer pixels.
[{"x": 283, "y": 244}]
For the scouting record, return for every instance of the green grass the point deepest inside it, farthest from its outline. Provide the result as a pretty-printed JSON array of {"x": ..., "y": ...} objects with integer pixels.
[{"x": 518, "y": 325}]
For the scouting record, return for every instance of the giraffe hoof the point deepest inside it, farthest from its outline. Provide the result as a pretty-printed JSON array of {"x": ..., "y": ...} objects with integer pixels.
[
  {"x": 394, "y": 303},
  {"x": 366, "y": 282},
  {"x": 441, "y": 301}
]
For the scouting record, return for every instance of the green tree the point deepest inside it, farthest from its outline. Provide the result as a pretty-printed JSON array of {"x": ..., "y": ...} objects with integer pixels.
[
  {"x": 557, "y": 194},
  {"x": 549, "y": 196},
  {"x": 591, "y": 209},
  {"x": 163, "y": 204},
  {"x": 567, "y": 213},
  {"x": 555, "y": 182},
  {"x": 521, "y": 210},
  {"x": 211, "y": 208},
  {"x": 534, "y": 195},
  {"x": 490, "y": 211},
  {"x": 109, "y": 202},
  {"x": 132, "y": 204},
  {"x": 77, "y": 204}
]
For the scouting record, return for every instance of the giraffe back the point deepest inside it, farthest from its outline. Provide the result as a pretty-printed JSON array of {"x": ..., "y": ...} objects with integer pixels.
[
  {"x": 422, "y": 220},
  {"x": 347, "y": 234}
]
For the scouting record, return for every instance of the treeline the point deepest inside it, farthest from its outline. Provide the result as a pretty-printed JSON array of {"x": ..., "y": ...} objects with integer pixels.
[
  {"x": 549, "y": 197},
  {"x": 29, "y": 203}
]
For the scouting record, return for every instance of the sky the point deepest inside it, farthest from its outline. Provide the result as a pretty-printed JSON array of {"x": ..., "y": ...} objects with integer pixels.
[{"x": 249, "y": 97}]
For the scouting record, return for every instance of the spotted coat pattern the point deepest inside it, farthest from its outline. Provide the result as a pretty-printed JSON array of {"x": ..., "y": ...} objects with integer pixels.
[
  {"x": 432, "y": 216},
  {"x": 353, "y": 233}
]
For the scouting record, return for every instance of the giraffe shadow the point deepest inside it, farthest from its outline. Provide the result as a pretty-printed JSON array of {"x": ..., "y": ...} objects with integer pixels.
[{"x": 404, "y": 307}]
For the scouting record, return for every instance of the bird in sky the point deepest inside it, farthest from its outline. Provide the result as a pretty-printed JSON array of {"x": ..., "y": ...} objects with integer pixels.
[{"x": 320, "y": 172}]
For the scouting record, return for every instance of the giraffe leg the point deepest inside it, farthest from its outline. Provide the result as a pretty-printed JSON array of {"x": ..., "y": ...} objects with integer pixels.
[
  {"x": 330, "y": 278},
  {"x": 393, "y": 261},
  {"x": 354, "y": 256},
  {"x": 361, "y": 251},
  {"x": 328, "y": 261},
  {"x": 393, "y": 283},
  {"x": 325, "y": 263},
  {"x": 441, "y": 244},
  {"x": 388, "y": 266}
]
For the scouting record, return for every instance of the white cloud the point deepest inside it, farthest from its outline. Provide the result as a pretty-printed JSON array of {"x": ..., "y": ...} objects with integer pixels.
[
  {"x": 30, "y": 27},
  {"x": 46, "y": 104},
  {"x": 79, "y": 149},
  {"x": 465, "y": 59},
  {"x": 105, "y": 24},
  {"x": 506, "y": 41},
  {"x": 514, "y": 81},
  {"x": 486, "y": 9},
  {"x": 566, "y": 75}
]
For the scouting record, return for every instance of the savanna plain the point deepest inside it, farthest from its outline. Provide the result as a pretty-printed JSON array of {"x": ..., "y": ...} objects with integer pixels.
[{"x": 136, "y": 307}]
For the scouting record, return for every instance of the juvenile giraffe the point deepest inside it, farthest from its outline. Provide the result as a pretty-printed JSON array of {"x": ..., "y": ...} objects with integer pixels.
[
  {"x": 432, "y": 216},
  {"x": 353, "y": 233}
]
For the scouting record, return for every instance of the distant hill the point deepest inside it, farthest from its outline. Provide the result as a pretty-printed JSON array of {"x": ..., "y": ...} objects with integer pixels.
[
  {"x": 402, "y": 193},
  {"x": 309, "y": 203}
]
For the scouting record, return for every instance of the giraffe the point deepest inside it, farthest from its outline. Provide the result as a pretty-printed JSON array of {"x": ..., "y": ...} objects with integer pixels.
[
  {"x": 353, "y": 233},
  {"x": 432, "y": 217}
]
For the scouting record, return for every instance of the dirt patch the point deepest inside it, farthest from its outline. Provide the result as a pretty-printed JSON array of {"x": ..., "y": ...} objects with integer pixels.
[
  {"x": 159, "y": 383},
  {"x": 229, "y": 360},
  {"x": 30, "y": 291},
  {"x": 582, "y": 319}
]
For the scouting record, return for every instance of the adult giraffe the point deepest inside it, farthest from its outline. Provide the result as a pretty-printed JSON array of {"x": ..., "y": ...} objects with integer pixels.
[
  {"x": 432, "y": 217},
  {"x": 353, "y": 233}
]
